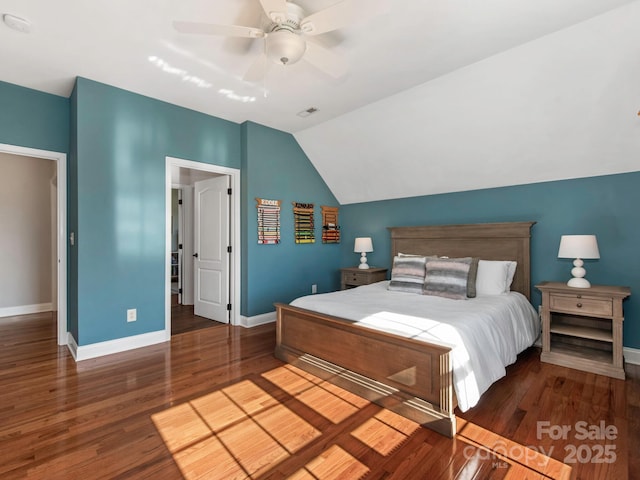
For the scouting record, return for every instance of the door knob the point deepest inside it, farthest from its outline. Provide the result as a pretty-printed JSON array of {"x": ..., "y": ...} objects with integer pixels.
[{"x": 195, "y": 255}]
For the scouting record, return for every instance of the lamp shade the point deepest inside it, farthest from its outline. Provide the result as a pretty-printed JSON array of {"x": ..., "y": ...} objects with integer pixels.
[
  {"x": 363, "y": 244},
  {"x": 578, "y": 246}
]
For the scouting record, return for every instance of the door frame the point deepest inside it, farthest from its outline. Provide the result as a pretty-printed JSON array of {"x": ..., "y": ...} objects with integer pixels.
[
  {"x": 180, "y": 220},
  {"x": 234, "y": 229},
  {"x": 180, "y": 241},
  {"x": 61, "y": 229},
  {"x": 186, "y": 224}
]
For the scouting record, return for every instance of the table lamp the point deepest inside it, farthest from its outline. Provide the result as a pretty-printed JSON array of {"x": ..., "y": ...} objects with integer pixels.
[
  {"x": 578, "y": 247},
  {"x": 363, "y": 245}
]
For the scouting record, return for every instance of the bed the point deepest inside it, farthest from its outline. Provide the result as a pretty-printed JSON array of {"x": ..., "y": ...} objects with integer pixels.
[{"x": 414, "y": 373}]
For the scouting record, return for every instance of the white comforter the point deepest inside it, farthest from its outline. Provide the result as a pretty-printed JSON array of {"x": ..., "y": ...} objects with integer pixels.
[{"x": 485, "y": 333}]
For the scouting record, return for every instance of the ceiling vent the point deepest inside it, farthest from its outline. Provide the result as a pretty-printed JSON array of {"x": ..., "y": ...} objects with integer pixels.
[{"x": 307, "y": 112}]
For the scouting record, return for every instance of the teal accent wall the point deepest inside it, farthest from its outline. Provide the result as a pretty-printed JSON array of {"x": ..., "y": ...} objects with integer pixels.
[
  {"x": 117, "y": 142},
  {"x": 607, "y": 206},
  {"x": 33, "y": 119},
  {"x": 122, "y": 140},
  {"x": 275, "y": 167}
]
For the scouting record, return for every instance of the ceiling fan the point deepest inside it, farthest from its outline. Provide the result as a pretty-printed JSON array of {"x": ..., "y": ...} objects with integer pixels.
[{"x": 288, "y": 34}]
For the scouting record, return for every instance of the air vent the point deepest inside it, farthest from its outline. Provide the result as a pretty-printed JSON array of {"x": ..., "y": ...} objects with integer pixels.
[{"x": 307, "y": 112}]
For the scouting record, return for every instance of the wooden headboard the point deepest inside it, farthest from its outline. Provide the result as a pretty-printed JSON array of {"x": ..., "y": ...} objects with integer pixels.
[{"x": 488, "y": 241}]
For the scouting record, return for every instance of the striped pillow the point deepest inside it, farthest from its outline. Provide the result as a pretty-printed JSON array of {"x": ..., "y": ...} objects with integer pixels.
[
  {"x": 471, "y": 280},
  {"x": 447, "y": 277},
  {"x": 407, "y": 274}
]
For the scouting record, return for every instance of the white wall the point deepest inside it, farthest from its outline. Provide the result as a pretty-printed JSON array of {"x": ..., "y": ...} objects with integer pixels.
[
  {"x": 25, "y": 232},
  {"x": 562, "y": 106}
]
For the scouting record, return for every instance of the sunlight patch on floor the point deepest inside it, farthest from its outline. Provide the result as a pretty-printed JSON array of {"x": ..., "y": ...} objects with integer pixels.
[
  {"x": 333, "y": 403},
  {"x": 385, "y": 431},
  {"x": 242, "y": 427},
  {"x": 244, "y": 432},
  {"x": 333, "y": 464}
]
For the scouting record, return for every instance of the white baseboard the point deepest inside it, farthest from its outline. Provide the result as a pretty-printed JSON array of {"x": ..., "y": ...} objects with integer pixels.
[
  {"x": 256, "y": 320},
  {"x": 25, "y": 309},
  {"x": 631, "y": 355},
  {"x": 85, "y": 352},
  {"x": 72, "y": 346}
]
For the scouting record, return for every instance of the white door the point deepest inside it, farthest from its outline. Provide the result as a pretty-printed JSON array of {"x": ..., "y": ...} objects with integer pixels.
[{"x": 211, "y": 239}]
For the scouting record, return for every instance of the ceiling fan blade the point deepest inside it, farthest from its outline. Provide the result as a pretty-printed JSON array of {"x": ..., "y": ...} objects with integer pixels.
[
  {"x": 247, "y": 16},
  {"x": 342, "y": 14},
  {"x": 212, "y": 29},
  {"x": 332, "y": 18},
  {"x": 258, "y": 70},
  {"x": 276, "y": 10},
  {"x": 325, "y": 60}
]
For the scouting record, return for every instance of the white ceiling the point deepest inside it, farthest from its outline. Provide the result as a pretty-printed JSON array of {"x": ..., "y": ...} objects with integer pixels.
[{"x": 429, "y": 63}]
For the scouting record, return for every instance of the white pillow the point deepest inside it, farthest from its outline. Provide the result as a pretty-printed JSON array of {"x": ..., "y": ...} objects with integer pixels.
[
  {"x": 510, "y": 274},
  {"x": 494, "y": 277}
]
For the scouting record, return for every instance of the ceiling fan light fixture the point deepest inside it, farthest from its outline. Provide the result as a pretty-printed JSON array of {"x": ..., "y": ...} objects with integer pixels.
[{"x": 285, "y": 47}]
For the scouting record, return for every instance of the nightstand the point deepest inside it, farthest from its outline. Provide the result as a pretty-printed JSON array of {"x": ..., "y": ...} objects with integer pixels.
[
  {"x": 354, "y": 277},
  {"x": 582, "y": 327}
]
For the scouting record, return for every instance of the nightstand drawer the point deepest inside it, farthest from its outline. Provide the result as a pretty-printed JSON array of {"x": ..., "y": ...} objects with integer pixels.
[
  {"x": 356, "y": 278},
  {"x": 581, "y": 304}
]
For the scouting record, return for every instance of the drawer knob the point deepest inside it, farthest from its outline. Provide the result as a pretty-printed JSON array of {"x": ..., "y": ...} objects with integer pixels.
[{"x": 579, "y": 305}]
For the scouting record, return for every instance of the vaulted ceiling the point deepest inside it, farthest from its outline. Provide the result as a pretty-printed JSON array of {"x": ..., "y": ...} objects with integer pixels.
[{"x": 438, "y": 96}]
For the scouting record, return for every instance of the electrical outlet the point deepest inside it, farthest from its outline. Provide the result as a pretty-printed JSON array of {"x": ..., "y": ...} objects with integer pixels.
[
  {"x": 132, "y": 314},
  {"x": 314, "y": 288}
]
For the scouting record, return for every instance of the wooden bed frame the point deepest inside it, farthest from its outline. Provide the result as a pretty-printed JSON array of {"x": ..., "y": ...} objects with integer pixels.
[{"x": 410, "y": 377}]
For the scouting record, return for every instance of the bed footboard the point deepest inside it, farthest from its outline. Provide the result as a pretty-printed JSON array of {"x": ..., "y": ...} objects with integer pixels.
[{"x": 409, "y": 377}]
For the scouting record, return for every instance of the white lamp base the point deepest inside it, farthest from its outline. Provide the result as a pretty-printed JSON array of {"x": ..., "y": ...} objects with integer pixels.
[
  {"x": 363, "y": 261},
  {"x": 579, "y": 283},
  {"x": 578, "y": 272}
]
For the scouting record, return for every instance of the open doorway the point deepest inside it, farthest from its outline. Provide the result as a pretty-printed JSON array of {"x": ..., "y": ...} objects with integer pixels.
[
  {"x": 202, "y": 279},
  {"x": 51, "y": 294},
  {"x": 199, "y": 259}
]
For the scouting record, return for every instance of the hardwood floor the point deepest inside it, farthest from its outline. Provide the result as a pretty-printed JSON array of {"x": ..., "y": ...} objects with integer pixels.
[
  {"x": 214, "y": 403},
  {"x": 183, "y": 320}
]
